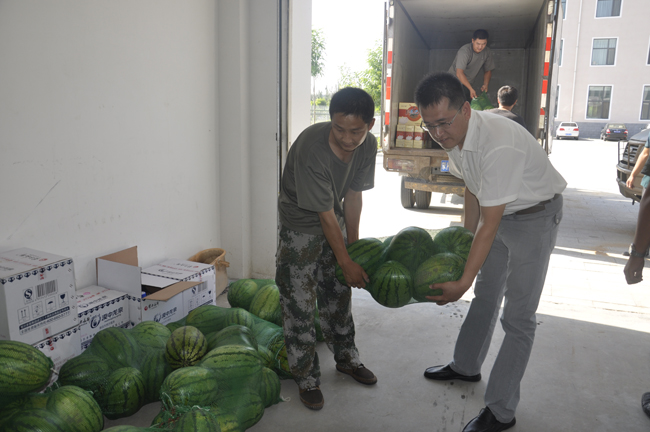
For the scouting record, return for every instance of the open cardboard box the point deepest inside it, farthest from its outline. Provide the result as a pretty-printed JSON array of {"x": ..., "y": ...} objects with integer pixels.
[{"x": 120, "y": 271}]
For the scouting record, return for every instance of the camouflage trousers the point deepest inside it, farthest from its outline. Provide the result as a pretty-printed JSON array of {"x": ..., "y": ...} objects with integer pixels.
[{"x": 305, "y": 266}]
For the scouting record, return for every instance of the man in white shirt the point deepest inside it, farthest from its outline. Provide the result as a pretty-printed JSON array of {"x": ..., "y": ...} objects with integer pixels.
[{"x": 513, "y": 204}]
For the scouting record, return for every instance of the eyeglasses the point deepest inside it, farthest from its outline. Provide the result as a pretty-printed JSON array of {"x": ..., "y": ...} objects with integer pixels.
[{"x": 441, "y": 126}]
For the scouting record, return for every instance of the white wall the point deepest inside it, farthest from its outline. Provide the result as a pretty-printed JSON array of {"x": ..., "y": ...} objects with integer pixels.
[
  {"x": 299, "y": 68},
  {"x": 139, "y": 122}
]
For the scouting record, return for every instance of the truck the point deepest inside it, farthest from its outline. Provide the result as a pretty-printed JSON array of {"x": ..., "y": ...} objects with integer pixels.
[{"x": 421, "y": 37}]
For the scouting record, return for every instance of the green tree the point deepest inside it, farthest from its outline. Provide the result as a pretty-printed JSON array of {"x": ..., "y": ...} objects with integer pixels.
[
  {"x": 317, "y": 62},
  {"x": 369, "y": 79}
]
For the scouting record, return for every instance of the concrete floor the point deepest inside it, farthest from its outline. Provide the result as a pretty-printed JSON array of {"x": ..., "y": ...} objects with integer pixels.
[{"x": 591, "y": 359}]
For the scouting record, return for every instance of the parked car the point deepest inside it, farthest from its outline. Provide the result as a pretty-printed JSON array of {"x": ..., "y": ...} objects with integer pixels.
[
  {"x": 627, "y": 156},
  {"x": 614, "y": 131},
  {"x": 567, "y": 130}
]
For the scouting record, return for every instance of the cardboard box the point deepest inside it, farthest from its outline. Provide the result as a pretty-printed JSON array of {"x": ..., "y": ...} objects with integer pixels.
[
  {"x": 37, "y": 292},
  {"x": 418, "y": 137},
  {"x": 400, "y": 135},
  {"x": 99, "y": 308},
  {"x": 61, "y": 347},
  {"x": 151, "y": 298},
  {"x": 408, "y": 114}
]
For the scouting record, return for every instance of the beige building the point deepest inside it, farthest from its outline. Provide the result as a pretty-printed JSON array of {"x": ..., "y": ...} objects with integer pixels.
[{"x": 604, "y": 73}]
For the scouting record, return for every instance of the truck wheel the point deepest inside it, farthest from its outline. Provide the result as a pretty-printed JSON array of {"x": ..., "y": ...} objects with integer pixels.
[
  {"x": 422, "y": 199},
  {"x": 407, "y": 195}
]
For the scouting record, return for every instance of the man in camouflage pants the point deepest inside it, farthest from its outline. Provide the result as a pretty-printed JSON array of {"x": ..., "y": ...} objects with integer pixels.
[{"x": 327, "y": 169}]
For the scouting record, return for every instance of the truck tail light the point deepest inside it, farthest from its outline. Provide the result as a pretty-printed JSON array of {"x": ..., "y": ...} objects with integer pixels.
[{"x": 400, "y": 165}]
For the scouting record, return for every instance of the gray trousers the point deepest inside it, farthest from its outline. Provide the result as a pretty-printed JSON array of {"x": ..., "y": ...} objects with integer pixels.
[{"x": 515, "y": 269}]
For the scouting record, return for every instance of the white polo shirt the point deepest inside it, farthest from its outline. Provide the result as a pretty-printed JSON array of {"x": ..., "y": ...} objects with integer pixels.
[{"x": 502, "y": 163}]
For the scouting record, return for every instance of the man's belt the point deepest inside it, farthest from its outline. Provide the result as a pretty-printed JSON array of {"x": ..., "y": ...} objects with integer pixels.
[{"x": 537, "y": 207}]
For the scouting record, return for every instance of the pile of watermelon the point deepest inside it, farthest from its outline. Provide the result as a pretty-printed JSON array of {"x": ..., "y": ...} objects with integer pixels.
[
  {"x": 25, "y": 371},
  {"x": 402, "y": 268}
]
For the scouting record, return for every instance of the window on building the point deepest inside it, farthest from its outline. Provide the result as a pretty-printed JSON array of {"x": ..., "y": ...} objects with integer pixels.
[
  {"x": 603, "y": 52},
  {"x": 645, "y": 103},
  {"x": 559, "y": 62},
  {"x": 608, "y": 8},
  {"x": 563, "y": 9},
  {"x": 598, "y": 102},
  {"x": 557, "y": 100}
]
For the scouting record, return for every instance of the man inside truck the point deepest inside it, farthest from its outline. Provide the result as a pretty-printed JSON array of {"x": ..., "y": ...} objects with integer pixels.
[
  {"x": 327, "y": 169},
  {"x": 507, "y": 97},
  {"x": 513, "y": 205},
  {"x": 469, "y": 61}
]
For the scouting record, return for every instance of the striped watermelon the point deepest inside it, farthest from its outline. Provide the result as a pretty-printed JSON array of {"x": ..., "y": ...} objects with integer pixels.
[
  {"x": 443, "y": 267},
  {"x": 151, "y": 334},
  {"x": 229, "y": 422},
  {"x": 117, "y": 347},
  {"x": 197, "y": 420},
  {"x": 239, "y": 316},
  {"x": 189, "y": 386},
  {"x": 454, "y": 239},
  {"x": 207, "y": 318},
  {"x": 185, "y": 347},
  {"x": 270, "y": 386},
  {"x": 410, "y": 247},
  {"x": 87, "y": 371},
  {"x": 76, "y": 408},
  {"x": 367, "y": 252},
  {"x": 23, "y": 368},
  {"x": 268, "y": 360},
  {"x": 244, "y": 403},
  {"x": 234, "y": 363},
  {"x": 392, "y": 285},
  {"x": 123, "y": 393},
  {"x": 241, "y": 293},
  {"x": 266, "y": 304},
  {"x": 154, "y": 371},
  {"x": 36, "y": 420},
  {"x": 176, "y": 324},
  {"x": 232, "y": 335}
]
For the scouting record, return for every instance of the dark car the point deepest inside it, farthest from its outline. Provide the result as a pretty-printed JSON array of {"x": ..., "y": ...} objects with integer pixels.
[
  {"x": 614, "y": 131},
  {"x": 627, "y": 157}
]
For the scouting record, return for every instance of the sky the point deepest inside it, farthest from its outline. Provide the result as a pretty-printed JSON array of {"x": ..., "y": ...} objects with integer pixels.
[{"x": 351, "y": 28}]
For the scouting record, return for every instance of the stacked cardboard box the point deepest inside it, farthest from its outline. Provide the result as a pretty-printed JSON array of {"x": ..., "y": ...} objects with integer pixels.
[{"x": 100, "y": 308}]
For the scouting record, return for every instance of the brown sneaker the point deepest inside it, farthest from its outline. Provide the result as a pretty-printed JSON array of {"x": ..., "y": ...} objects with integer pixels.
[
  {"x": 312, "y": 398},
  {"x": 359, "y": 373}
]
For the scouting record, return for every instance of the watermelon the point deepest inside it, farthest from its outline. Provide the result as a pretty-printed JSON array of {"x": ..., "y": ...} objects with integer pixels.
[
  {"x": 234, "y": 363},
  {"x": 241, "y": 293},
  {"x": 154, "y": 371},
  {"x": 266, "y": 304},
  {"x": 36, "y": 420},
  {"x": 197, "y": 420},
  {"x": 76, "y": 408},
  {"x": 232, "y": 335},
  {"x": 189, "y": 386},
  {"x": 126, "y": 428},
  {"x": 443, "y": 267},
  {"x": 229, "y": 422},
  {"x": 123, "y": 393},
  {"x": 239, "y": 316},
  {"x": 392, "y": 285},
  {"x": 270, "y": 387},
  {"x": 185, "y": 347},
  {"x": 410, "y": 247},
  {"x": 387, "y": 241},
  {"x": 87, "y": 371},
  {"x": 117, "y": 347},
  {"x": 268, "y": 360},
  {"x": 454, "y": 239},
  {"x": 367, "y": 252},
  {"x": 151, "y": 334},
  {"x": 246, "y": 405},
  {"x": 207, "y": 318},
  {"x": 176, "y": 324},
  {"x": 23, "y": 368}
]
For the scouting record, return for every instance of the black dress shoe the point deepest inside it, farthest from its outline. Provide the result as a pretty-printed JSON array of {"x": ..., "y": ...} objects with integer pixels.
[
  {"x": 645, "y": 403},
  {"x": 442, "y": 373},
  {"x": 486, "y": 422}
]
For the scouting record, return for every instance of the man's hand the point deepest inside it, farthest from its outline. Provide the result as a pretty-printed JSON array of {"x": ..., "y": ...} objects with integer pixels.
[
  {"x": 472, "y": 93},
  {"x": 484, "y": 88},
  {"x": 634, "y": 270},
  {"x": 451, "y": 291},
  {"x": 354, "y": 275},
  {"x": 630, "y": 181}
]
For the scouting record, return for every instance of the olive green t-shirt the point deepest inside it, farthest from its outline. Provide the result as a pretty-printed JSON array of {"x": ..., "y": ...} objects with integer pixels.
[{"x": 315, "y": 180}]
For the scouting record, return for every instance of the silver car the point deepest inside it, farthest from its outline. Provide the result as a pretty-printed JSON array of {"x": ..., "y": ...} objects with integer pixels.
[{"x": 568, "y": 130}]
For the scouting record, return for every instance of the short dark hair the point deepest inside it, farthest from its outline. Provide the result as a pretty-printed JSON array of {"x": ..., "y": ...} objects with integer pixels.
[
  {"x": 353, "y": 101},
  {"x": 481, "y": 34},
  {"x": 507, "y": 95},
  {"x": 434, "y": 87}
]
